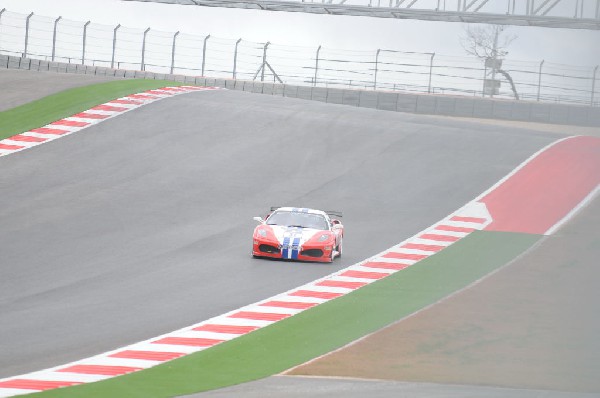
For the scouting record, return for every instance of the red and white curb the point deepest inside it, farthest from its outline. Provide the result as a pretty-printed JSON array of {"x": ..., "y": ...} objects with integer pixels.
[
  {"x": 95, "y": 115},
  {"x": 146, "y": 354}
]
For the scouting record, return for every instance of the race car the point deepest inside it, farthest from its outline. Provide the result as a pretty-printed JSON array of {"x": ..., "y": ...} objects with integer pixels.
[{"x": 292, "y": 233}]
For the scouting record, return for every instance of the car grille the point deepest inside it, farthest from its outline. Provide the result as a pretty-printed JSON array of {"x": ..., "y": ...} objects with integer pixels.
[
  {"x": 312, "y": 253},
  {"x": 268, "y": 249}
]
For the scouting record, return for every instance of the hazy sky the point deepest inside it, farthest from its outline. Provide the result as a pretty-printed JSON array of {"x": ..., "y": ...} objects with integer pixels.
[{"x": 564, "y": 46}]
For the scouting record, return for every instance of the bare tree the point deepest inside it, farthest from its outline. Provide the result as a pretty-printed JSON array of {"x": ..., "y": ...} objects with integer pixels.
[{"x": 488, "y": 43}]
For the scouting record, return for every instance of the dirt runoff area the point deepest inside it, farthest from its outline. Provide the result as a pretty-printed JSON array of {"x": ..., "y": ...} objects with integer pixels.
[{"x": 534, "y": 324}]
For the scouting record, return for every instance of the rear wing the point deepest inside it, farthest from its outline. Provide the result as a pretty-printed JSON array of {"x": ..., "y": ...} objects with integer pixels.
[{"x": 333, "y": 213}]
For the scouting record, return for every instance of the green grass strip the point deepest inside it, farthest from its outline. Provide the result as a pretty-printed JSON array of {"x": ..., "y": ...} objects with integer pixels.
[
  {"x": 69, "y": 102},
  {"x": 319, "y": 330}
]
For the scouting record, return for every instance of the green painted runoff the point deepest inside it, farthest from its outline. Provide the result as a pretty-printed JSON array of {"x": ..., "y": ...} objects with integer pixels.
[
  {"x": 321, "y": 329},
  {"x": 69, "y": 102}
]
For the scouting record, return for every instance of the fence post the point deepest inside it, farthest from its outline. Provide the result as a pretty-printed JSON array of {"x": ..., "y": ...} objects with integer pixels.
[
  {"x": 1, "y": 12},
  {"x": 27, "y": 34},
  {"x": 144, "y": 50},
  {"x": 204, "y": 53},
  {"x": 484, "y": 77},
  {"x": 316, "y": 66},
  {"x": 376, "y": 63},
  {"x": 112, "y": 60},
  {"x": 578, "y": 10},
  {"x": 173, "y": 52},
  {"x": 235, "y": 58},
  {"x": 84, "y": 36},
  {"x": 540, "y": 80},
  {"x": 262, "y": 74},
  {"x": 593, "y": 86},
  {"x": 54, "y": 37},
  {"x": 430, "y": 72}
]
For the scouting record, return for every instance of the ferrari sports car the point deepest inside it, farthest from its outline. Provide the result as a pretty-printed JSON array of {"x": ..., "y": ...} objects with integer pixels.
[{"x": 292, "y": 233}]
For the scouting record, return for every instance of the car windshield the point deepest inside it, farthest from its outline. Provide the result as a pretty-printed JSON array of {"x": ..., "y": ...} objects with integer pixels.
[{"x": 298, "y": 219}]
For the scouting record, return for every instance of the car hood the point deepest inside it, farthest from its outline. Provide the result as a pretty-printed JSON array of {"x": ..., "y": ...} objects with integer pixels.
[{"x": 293, "y": 235}]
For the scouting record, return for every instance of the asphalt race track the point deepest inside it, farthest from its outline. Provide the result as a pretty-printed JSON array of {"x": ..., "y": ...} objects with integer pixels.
[{"x": 142, "y": 224}]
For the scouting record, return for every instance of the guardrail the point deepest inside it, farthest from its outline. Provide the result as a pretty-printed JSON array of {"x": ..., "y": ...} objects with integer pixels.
[{"x": 430, "y": 104}]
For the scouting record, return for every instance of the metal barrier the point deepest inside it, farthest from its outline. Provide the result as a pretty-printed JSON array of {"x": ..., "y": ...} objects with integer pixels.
[
  {"x": 499, "y": 12},
  {"x": 430, "y": 104},
  {"x": 87, "y": 43}
]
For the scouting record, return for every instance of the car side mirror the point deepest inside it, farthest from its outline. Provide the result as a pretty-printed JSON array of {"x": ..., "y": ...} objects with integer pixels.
[
  {"x": 259, "y": 219},
  {"x": 337, "y": 226}
]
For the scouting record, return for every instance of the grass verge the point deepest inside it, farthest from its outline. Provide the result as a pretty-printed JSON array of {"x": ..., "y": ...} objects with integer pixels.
[
  {"x": 319, "y": 330},
  {"x": 69, "y": 102}
]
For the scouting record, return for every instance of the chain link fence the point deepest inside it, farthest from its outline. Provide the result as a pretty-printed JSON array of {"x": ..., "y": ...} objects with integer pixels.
[{"x": 85, "y": 42}]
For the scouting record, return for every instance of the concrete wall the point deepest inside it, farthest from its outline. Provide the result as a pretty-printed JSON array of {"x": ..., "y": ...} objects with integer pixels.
[{"x": 428, "y": 104}]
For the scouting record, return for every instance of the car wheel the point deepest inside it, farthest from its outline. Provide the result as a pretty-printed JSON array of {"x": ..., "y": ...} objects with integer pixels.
[{"x": 339, "y": 247}]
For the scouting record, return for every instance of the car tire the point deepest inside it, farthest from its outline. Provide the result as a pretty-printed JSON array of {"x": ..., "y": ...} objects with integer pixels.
[{"x": 340, "y": 246}]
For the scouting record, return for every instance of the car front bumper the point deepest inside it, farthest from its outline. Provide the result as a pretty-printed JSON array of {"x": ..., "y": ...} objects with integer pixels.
[{"x": 308, "y": 253}]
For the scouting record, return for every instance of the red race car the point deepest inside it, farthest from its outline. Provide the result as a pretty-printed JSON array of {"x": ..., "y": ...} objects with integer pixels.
[{"x": 293, "y": 233}]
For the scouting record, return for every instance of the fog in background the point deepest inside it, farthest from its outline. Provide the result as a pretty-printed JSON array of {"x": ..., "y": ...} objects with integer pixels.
[{"x": 563, "y": 46}]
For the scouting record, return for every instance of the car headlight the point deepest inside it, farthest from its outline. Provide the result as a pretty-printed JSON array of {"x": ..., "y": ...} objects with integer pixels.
[
  {"x": 262, "y": 233},
  {"x": 323, "y": 237}
]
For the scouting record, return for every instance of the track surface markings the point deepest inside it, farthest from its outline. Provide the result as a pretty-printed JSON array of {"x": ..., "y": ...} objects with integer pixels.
[
  {"x": 543, "y": 192},
  {"x": 97, "y": 114},
  {"x": 510, "y": 200}
]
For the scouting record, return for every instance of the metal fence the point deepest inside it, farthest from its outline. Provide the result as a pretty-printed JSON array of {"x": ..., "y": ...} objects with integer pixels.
[{"x": 84, "y": 42}]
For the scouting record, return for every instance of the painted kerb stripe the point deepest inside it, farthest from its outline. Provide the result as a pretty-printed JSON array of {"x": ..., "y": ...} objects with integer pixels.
[
  {"x": 95, "y": 115},
  {"x": 143, "y": 355}
]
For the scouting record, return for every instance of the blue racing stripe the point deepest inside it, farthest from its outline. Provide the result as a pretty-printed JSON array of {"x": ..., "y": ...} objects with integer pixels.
[
  {"x": 296, "y": 243},
  {"x": 286, "y": 244}
]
